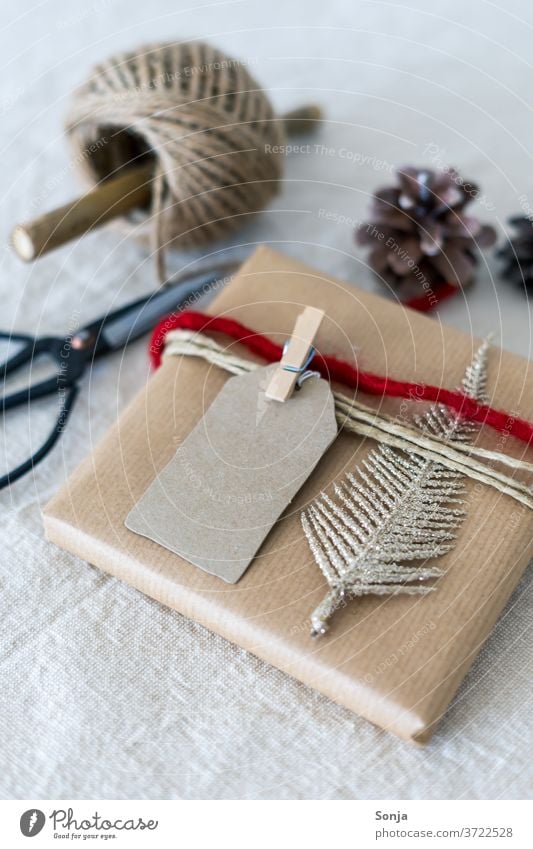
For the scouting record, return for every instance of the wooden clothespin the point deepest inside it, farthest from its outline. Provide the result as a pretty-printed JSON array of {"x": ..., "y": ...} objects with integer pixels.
[{"x": 296, "y": 355}]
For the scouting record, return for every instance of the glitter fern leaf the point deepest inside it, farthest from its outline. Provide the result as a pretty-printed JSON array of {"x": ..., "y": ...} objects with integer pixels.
[{"x": 396, "y": 507}]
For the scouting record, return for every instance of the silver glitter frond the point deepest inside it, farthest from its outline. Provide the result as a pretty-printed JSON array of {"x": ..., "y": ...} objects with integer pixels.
[{"x": 396, "y": 507}]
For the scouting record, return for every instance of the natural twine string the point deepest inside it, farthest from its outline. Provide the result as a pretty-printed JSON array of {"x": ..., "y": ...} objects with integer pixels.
[
  {"x": 345, "y": 373},
  {"x": 355, "y": 417},
  {"x": 202, "y": 119}
]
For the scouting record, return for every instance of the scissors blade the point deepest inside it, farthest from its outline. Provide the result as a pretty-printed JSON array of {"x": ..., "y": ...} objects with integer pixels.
[{"x": 132, "y": 322}]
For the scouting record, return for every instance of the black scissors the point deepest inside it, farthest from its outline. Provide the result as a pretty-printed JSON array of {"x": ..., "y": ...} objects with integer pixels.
[{"x": 73, "y": 354}]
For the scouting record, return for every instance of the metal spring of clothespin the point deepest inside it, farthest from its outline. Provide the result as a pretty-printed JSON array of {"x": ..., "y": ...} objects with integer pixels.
[{"x": 298, "y": 352}]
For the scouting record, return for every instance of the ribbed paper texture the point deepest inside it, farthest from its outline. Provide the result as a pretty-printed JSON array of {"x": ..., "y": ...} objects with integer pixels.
[
  {"x": 236, "y": 472},
  {"x": 398, "y": 661}
]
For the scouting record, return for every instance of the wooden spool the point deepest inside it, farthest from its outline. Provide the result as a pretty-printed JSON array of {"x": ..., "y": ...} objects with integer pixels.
[{"x": 116, "y": 196}]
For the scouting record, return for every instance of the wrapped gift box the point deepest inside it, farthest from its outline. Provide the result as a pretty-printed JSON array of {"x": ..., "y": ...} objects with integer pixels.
[{"x": 396, "y": 660}]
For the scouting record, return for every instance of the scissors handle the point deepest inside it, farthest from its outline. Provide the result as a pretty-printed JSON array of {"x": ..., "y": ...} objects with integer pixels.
[
  {"x": 32, "y": 348},
  {"x": 32, "y": 393},
  {"x": 72, "y": 354},
  {"x": 22, "y": 356},
  {"x": 67, "y": 402}
]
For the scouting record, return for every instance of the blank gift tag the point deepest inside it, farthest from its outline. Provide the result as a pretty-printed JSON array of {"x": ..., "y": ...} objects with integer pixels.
[{"x": 236, "y": 472}]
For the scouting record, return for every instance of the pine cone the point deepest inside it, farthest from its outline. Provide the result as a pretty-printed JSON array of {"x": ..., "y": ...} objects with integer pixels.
[
  {"x": 418, "y": 233},
  {"x": 517, "y": 253}
]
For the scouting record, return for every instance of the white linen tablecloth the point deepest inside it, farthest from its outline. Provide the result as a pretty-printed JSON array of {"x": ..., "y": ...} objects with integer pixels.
[{"x": 106, "y": 694}]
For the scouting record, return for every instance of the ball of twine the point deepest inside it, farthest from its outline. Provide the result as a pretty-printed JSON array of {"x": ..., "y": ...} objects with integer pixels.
[{"x": 200, "y": 118}]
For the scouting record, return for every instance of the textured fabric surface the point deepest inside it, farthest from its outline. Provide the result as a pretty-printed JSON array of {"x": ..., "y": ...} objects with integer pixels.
[{"x": 104, "y": 693}]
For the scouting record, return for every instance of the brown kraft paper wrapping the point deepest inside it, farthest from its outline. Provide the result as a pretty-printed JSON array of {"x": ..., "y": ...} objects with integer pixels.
[{"x": 397, "y": 661}]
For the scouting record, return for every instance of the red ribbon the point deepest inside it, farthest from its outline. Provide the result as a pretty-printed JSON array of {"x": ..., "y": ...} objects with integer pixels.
[
  {"x": 427, "y": 302},
  {"x": 340, "y": 371}
]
